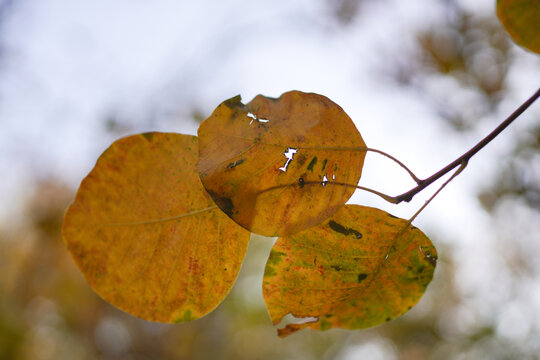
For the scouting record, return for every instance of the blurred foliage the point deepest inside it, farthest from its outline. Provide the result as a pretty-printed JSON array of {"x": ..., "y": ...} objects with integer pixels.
[
  {"x": 512, "y": 198},
  {"x": 469, "y": 55},
  {"x": 519, "y": 176},
  {"x": 344, "y": 11},
  {"x": 48, "y": 311},
  {"x": 471, "y": 49}
]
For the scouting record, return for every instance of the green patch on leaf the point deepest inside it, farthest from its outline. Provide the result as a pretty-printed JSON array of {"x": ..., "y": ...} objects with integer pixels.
[
  {"x": 325, "y": 324},
  {"x": 269, "y": 271},
  {"x": 275, "y": 257},
  {"x": 360, "y": 280}
]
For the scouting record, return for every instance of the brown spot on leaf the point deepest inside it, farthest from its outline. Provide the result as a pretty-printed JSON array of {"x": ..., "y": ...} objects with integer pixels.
[
  {"x": 235, "y": 163},
  {"x": 225, "y": 204},
  {"x": 148, "y": 135},
  {"x": 430, "y": 258},
  {"x": 344, "y": 230},
  {"x": 300, "y": 159},
  {"x": 234, "y": 102},
  {"x": 324, "y": 164},
  {"x": 312, "y": 164}
]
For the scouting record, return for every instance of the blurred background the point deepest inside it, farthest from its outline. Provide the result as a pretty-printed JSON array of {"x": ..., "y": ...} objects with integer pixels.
[{"x": 423, "y": 80}]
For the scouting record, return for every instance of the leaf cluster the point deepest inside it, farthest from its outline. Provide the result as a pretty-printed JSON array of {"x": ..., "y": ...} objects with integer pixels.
[{"x": 161, "y": 224}]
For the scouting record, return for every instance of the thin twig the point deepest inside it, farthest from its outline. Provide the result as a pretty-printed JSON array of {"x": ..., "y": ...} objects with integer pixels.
[
  {"x": 407, "y": 196},
  {"x": 458, "y": 171},
  {"x": 414, "y": 177},
  {"x": 409, "y": 222}
]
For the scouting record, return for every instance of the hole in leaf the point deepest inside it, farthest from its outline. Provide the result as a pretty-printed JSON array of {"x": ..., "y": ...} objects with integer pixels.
[
  {"x": 289, "y": 155},
  {"x": 334, "y": 177},
  {"x": 291, "y": 319},
  {"x": 324, "y": 180},
  {"x": 254, "y": 117}
]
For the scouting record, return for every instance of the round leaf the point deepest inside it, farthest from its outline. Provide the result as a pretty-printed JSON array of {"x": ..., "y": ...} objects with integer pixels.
[
  {"x": 145, "y": 234},
  {"x": 521, "y": 18},
  {"x": 358, "y": 269},
  {"x": 273, "y": 165}
]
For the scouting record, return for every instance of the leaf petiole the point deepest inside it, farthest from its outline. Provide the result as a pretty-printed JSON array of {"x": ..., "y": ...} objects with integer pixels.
[
  {"x": 458, "y": 171},
  {"x": 414, "y": 177}
]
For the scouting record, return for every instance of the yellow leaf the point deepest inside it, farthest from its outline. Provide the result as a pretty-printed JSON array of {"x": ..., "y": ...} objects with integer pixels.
[
  {"x": 271, "y": 164},
  {"x": 521, "y": 18},
  {"x": 145, "y": 234},
  {"x": 358, "y": 269}
]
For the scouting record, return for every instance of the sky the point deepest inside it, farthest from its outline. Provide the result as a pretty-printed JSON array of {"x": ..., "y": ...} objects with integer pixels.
[{"x": 66, "y": 66}]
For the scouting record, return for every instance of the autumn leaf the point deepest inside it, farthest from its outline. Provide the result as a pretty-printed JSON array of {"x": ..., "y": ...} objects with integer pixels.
[
  {"x": 358, "y": 269},
  {"x": 270, "y": 164},
  {"x": 145, "y": 234},
  {"x": 521, "y": 19}
]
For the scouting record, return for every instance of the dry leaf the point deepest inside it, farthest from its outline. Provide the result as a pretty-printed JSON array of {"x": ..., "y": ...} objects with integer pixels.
[
  {"x": 271, "y": 164},
  {"x": 358, "y": 269},
  {"x": 147, "y": 236}
]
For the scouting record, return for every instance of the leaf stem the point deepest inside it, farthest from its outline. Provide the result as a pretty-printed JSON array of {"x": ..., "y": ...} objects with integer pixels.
[
  {"x": 458, "y": 171},
  {"x": 388, "y": 198},
  {"x": 414, "y": 177},
  {"x": 409, "y": 222},
  {"x": 407, "y": 196}
]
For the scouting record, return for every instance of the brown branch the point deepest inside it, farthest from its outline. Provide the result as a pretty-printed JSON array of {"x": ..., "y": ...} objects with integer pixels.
[{"x": 407, "y": 196}]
